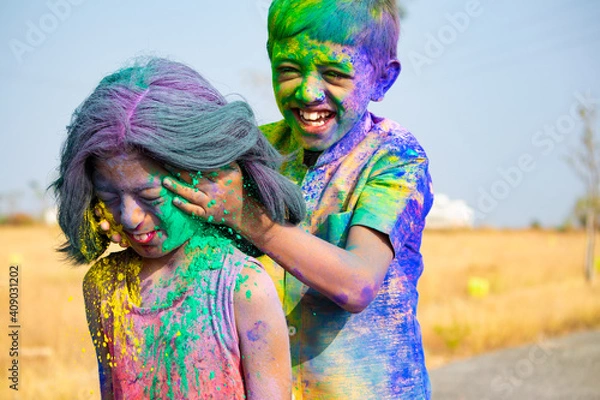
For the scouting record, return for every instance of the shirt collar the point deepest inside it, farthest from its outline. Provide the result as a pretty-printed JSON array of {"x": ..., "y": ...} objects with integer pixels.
[{"x": 348, "y": 142}]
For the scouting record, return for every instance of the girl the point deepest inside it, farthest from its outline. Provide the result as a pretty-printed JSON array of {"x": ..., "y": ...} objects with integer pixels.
[{"x": 182, "y": 313}]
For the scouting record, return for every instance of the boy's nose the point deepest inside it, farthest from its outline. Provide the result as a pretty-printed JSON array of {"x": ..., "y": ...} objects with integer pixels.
[
  {"x": 311, "y": 91},
  {"x": 132, "y": 215}
]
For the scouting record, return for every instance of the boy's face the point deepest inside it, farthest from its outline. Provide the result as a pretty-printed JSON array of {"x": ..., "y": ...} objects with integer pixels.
[{"x": 322, "y": 88}]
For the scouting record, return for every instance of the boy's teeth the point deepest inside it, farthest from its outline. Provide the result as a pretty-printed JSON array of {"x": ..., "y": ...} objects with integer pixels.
[{"x": 314, "y": 116}]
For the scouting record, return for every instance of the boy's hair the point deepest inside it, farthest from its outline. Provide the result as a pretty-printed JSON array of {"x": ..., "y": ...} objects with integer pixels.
[
  {"x": 166, "y": 111},
  {"x": 371, "y": 24}
]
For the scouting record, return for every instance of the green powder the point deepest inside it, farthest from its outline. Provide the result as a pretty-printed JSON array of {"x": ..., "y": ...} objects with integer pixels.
[
  {"x": 205, "y": 250},
  {"x": 239, "y": 281},
  {"x": 174, "y": 217}
]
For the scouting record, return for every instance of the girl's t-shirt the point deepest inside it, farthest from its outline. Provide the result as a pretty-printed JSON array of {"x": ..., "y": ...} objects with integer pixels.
[{"x": 185, "y": 347}]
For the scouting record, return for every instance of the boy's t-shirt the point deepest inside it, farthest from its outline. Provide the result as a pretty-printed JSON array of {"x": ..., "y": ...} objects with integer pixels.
[{"x": 377, "y": 177}]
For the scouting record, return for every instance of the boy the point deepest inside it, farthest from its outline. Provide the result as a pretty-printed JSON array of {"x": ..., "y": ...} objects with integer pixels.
[
  {"x": 350, "y": 270},
  {"x": 352, "y": 312}
]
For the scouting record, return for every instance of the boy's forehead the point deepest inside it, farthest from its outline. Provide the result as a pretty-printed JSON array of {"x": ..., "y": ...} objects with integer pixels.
[{"x": 303, "y": 46}]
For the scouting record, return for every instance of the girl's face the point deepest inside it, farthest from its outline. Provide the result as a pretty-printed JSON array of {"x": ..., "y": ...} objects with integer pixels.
[{"x": 130, "y": 186}]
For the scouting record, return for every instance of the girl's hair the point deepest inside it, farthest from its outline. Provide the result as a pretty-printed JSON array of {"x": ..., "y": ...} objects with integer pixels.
[
  {"x": 169, "y": 113},
  {"x": 371, "y": 24}
]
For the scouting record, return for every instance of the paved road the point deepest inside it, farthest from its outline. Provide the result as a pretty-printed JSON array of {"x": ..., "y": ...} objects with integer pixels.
[{"x": 566, "y": 368}]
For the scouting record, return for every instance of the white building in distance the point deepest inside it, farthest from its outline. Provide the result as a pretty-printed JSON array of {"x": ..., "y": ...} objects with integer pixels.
[
  {"x": 50, "y": 216},
  {"x": 449, "y": 214}
]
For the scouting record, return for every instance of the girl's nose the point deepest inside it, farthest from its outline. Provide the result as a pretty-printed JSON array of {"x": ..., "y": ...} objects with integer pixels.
[
  {"x": 132, "y": 215},
  {"x": 311, "y": 91}
]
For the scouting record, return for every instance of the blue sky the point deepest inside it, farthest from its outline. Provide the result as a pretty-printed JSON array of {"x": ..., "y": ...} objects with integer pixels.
[{"x": 483, "y": 84}]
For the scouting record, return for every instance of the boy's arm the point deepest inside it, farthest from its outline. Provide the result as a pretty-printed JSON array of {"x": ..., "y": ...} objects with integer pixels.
[
  {"x": 352, "y": 276},
  {"x": 92, "y": 300},
  {"x": 263, "y": 333}
]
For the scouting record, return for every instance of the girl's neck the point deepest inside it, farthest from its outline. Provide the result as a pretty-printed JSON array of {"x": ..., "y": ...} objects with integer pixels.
[
  {"x": 180, "y": 268},
  {"x": 158, "y": 274},
  {"x": 164, "y": 265}
]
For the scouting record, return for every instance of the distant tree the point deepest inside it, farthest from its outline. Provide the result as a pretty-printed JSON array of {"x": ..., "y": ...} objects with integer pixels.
[
  {"x": 9, "y": 201},
  {"x": 567, "y": 226},
  {"x": 585, "y": 161},
  {"x": 581, "y": 209},
  {"x": 535, "y": 224}
]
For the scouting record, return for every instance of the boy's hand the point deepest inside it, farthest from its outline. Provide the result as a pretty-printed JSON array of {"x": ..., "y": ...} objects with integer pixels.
[
  {"x": 108, "y": 228},
  {"x": 217, "y": 197}
]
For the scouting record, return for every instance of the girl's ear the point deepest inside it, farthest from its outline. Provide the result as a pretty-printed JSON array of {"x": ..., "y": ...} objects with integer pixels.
[{"x": 388, "y": 76}]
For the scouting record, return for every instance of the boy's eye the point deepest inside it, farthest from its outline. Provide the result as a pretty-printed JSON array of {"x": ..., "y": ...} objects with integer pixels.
[
  {"x": 335, "y": 76},
  {"x": 287, "y": 72}
]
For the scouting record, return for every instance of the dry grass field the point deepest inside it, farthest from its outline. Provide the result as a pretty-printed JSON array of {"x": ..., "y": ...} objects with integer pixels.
[
  {"x": 485, "y": 289},
  {"x": 481, "y": 290}
]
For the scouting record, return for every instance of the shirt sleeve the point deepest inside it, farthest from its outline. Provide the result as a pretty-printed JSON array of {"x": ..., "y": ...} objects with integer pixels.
[{"x": 397, "y": 195}]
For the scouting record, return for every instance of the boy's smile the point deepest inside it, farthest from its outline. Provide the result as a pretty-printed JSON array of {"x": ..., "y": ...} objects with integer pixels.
[{"x": 322, "y": 88}]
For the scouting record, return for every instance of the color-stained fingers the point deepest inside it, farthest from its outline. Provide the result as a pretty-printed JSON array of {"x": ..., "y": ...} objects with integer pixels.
[
  {"x": 189, "y": 199},
  {"x": 215, "y": 196},
  {"x": 190, "y": 208},
  {"x": 107, "y": 228}
]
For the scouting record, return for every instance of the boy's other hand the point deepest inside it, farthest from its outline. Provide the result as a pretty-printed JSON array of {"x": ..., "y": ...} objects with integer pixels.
[{"x": 107, "y": 228}]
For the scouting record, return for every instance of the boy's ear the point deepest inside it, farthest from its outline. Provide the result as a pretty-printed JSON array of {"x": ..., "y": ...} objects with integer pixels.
[{"x": 386, "y": 79}]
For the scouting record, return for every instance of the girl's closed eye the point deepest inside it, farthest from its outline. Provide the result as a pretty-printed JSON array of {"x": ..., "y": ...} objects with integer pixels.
[
  {"x": 110, "y": 199},
  {"x": 152, "y": 196},
  {"x": 155, "y": 201}
]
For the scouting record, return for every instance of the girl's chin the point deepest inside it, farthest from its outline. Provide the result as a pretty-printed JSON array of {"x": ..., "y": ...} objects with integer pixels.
[{"x": 159, "y": 250}]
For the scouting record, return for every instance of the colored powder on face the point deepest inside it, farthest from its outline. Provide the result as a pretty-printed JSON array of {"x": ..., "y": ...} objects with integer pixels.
[
  {"x": 179, "y": 226},
  {"x": 99, "y": 241}
]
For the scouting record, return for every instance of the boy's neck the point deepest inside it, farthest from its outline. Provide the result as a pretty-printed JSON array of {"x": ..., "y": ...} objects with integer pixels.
[{"x": 311, "y": 157}]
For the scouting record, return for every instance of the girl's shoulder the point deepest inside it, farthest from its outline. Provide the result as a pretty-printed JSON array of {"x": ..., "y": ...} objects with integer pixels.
[
  {"x": 239, "y": 267},
  {"x": 248, "y": 272},
  {"x": 237, "y": 261}
]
